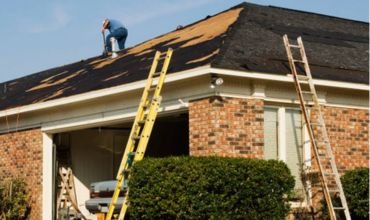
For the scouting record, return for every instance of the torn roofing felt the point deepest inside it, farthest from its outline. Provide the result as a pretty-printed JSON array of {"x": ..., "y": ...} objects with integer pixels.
[{"x": 247, "y": 37}]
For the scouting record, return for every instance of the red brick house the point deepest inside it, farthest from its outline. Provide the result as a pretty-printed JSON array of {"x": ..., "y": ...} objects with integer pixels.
[{"x": 80, "y": 114}]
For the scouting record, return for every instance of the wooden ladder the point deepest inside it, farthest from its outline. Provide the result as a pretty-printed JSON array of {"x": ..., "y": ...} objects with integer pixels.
[
  {"x": 67, "y": 198},
  {"x": 327, "y": 168}
]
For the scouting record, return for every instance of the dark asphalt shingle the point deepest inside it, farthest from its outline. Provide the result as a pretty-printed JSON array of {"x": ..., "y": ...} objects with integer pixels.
[{"x": 247, "y": 37}]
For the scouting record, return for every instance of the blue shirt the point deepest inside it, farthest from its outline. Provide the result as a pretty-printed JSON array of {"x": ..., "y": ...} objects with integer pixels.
[{"x": 114, "y": 25}]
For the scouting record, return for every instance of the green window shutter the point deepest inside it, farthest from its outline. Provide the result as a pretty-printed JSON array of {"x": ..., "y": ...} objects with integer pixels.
[
  {"x": 270, "y": 133},
  {"x": 294, "y": 144}
]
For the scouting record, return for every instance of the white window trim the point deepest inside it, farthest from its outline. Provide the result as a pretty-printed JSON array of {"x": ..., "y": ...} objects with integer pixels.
[
  {"x": 282, "y": 147},
  {"x": 282, "y": 138},
  {"x": 47, "y": 176},
  {"x": 281, "y": 134}
]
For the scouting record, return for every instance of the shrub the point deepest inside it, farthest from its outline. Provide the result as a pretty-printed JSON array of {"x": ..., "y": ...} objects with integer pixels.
[
  {"x": 356, "y": 189},
  {"x": 209, "y": 188},
  {"x": 13, "y": 200}
]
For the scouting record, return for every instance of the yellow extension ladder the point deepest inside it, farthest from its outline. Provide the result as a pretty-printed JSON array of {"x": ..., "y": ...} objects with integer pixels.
[
  {"x": 327, "y": 168},
  {"x": 141, "y": 130}
]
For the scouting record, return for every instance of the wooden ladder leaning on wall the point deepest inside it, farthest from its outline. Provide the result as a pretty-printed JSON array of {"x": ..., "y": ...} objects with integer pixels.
[{"x": 310, "y": 107}]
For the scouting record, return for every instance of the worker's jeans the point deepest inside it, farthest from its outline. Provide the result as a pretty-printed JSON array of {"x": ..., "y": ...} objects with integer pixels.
[{"x": 121, "y": 35}]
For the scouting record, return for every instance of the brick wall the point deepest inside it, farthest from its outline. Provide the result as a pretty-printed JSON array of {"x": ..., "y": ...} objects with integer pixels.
[
  {"x": 226, "y": 127},
  {"x": 21, "y": 156},
  {"x": 234, "y": 127},
  {"x": 349, "y": 138}
]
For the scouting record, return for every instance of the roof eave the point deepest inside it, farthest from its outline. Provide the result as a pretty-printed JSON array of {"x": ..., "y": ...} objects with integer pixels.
[{"x": 196, "y": 72}]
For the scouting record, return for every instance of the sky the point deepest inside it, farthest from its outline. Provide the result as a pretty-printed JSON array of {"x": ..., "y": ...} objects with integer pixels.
[{"x": 42, "y": 34}]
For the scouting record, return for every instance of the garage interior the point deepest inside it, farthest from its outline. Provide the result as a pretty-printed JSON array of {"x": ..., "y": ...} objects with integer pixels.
[{"x": 94, "y": 154}]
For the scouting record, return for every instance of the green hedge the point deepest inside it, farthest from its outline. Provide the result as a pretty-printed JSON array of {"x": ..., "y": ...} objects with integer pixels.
[
  {"x": 209, "y": 188},
  {"x": 356, "y": 189}
]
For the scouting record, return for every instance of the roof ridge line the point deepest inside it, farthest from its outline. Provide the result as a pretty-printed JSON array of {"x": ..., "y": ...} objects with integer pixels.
[{"x": 314, "y": 13}]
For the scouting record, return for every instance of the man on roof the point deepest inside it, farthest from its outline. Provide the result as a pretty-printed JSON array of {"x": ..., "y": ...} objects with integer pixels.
[{"x": 116, "y": 30}]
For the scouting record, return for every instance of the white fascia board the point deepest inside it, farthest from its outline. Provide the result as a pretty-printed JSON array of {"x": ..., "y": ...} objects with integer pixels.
[
  {"x": 288, "y": 78},
  {"x": 196, "y": 72}
]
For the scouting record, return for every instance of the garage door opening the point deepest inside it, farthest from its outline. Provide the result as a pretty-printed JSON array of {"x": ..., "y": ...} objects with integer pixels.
[{"x": 95, "y": 154}]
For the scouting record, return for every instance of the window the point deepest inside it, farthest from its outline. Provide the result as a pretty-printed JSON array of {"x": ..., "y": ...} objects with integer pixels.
[
  {"x": 284, "y": 140},
  {"x": 271, "y": 133}
]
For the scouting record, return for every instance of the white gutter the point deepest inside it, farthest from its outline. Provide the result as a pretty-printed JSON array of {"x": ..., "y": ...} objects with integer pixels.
[
  {"x": 196, "y": 72},
  {"x": 288, "y": 78}
]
